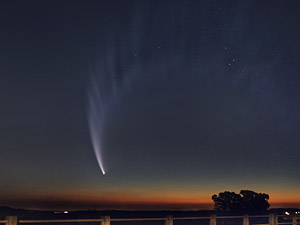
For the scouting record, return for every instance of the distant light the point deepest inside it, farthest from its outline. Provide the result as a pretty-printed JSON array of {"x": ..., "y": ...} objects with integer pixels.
[
  {"x": 287, "y": 213},
  {"x": 66, "y": 212}
]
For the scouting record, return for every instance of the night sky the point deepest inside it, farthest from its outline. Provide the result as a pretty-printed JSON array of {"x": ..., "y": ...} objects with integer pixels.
[{"x": 179, "y": 100}]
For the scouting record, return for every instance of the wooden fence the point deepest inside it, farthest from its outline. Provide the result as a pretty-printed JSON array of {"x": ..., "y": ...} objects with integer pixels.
[{"x": 212, "y": 220}]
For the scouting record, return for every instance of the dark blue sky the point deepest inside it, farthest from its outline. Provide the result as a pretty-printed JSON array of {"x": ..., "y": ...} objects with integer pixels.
[{"x": 194, "y": 98}]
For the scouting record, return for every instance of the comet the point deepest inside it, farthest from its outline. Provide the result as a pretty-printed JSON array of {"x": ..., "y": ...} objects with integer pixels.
[
  {"x": 95, "y": 122},
  {"x": 104, "y": 91}
]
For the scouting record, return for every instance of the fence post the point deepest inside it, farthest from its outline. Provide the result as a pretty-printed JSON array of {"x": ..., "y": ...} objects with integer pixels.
[
  {"x": 213, "y": 220},
  {"x": 275, "y": 219},
  {"x": 11, "y": 220},
  {"x": 169, "y": 220},
  {"x": 271, "y": 219},
  {"x": 105, "y": 220},
  {"x": 245, "y": 220},
  {"x": 294, "y": 220}
]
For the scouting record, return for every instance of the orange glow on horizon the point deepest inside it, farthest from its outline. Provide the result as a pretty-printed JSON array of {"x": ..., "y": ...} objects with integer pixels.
[{"x": 137, "y": 200}]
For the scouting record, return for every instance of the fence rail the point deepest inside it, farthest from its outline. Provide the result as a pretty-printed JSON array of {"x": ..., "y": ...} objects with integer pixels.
[
  {"x": 61, "y": 221},
  {"x": 273, "y": 219}
]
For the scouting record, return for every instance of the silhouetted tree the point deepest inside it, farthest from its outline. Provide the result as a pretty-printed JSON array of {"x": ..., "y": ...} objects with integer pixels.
[
  {"x": 245, "y": 201},
  {"x": 254, "y": 201},
  {"x": 227, "y": 201}
]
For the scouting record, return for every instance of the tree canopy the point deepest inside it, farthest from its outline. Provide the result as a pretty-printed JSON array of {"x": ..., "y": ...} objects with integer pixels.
[{"x": 245, "y": 201}]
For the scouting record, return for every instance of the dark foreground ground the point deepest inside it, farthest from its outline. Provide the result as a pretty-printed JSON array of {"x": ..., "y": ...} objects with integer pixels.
[{"x": 87, "y": 214}]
